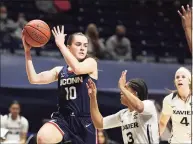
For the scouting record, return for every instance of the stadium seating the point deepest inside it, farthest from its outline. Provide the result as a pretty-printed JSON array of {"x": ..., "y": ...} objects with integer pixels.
[{"x": 153, "y": 26}]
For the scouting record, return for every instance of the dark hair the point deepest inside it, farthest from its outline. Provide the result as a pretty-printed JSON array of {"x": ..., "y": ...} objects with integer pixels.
[
  {"x": 140, "y": 87},
  {"x": 14, "y": 102},
  {"x": 71, "y": 37}
]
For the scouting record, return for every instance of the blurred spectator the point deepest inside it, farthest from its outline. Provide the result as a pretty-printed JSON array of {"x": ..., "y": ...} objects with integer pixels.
[
  {"x": 7, "y": 24},
  {"x": 103, "y": 138},
  {"x": 16, "y": 124},
  {"x": 62, "y": 5},
  {"x": 3, "y": 132},
  {"x": 46, "y": 6},
  {"x": 96, "y": 46},
  {"x": 118, "y": 45},
  {"x": 21, "y": 21},
  {"x": 7, "y": 27}
]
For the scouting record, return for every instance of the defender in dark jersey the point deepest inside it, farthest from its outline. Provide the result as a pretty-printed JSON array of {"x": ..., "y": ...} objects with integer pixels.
[{"x": 72, "y": 122}]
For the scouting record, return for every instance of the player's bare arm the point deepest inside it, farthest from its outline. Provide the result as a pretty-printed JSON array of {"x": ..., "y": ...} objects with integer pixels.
[
  {"x": 89, "y": 65},
  {"x": 134, "y": 101},
  {"x": 165, "y": 116},
  {"x": 45, "y": 77},
  {"x": 163, "y": 123},
  {"x": 186, "y": 17},
  {"x": 23, "y": 137},
  {"x": 96, "y": 116}
]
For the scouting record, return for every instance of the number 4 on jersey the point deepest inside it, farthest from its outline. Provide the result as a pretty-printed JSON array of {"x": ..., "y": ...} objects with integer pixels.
[{"x": 184, "y": 121}]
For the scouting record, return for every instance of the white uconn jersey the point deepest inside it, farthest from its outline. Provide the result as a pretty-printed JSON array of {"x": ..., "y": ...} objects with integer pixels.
[
  {"x": 180, "y": 113},
  {"x": 137, "y": 128}
]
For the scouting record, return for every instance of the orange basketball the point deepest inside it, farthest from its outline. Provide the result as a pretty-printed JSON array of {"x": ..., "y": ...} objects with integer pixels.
[{"x": 37, "y": 33}]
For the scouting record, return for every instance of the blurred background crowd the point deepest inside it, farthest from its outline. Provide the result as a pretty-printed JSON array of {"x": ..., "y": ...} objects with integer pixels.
[
  {"x": 122, "y": 33},
  {"x": 139, "y": 30}
]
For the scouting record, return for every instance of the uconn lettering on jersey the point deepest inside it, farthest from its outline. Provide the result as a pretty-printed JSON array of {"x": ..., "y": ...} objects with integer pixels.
[
  {"x": 179, "y": 112},
  {"x": 130, "y": 126},
  {"x": 69, "y": 81}
]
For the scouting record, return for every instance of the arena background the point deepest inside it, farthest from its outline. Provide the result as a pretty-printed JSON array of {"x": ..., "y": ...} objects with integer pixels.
[{"x": 155, "y": 22}]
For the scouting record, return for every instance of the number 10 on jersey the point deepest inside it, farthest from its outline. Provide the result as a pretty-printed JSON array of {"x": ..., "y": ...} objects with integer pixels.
[{"x": 71, "y": 93}]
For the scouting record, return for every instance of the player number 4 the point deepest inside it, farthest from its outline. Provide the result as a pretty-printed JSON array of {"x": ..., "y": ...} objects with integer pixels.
[
  {"x": 70, "y": 93},
  {"x": 184, "y": 121}
]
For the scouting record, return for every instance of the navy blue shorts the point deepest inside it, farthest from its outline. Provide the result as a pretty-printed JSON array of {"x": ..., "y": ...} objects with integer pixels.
[{"x": 76, "y": 129}]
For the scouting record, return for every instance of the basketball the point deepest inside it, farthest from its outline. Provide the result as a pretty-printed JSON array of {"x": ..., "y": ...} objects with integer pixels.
[{"x": 37, "y": 33}]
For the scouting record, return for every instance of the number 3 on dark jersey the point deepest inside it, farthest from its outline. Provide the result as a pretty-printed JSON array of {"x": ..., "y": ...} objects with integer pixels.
[
  {"x": 70, "y": 93},
  {"x": 184, "y": 121},
  {"x": 130, "y": 138}
]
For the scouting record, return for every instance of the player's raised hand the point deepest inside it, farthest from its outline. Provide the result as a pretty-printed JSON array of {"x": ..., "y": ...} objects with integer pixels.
[
  {"x": 122, "y": 80},
  {"x": 92, "y": 90},
  {"x": 59, "y": 36},
  {"x": 186, "y": 15},
  {"x": 26, "y": 46}
]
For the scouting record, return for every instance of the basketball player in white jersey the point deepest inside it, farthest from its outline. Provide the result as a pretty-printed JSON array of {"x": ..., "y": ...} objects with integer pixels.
[
  {"x": 138, "y": 122},
  {"x": 178, "y": 107},
  {"x": 3, "y": 131},
  {"x": 186, "y": 17},
  {"x": 16, "y": 125}
]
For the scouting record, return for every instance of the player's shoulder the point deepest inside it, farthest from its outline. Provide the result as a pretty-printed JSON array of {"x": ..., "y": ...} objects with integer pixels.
[
  {"x": 123, "y": 112},
  {"x": 57, "y": 69},
  {"x": 111, "y": 38},
  {"x": 170, "y": 97},
  {"x": 4, "y": 117},
  {"x": 126, "y": 40},
  {"x": 91, "y": 59},
  {"x": 23, "y": 119},
  {"x": 149, "y": 102}
]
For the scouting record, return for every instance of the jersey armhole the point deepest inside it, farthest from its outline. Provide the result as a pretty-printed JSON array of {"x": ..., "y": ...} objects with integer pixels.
[{"x": 58, "y": 71}]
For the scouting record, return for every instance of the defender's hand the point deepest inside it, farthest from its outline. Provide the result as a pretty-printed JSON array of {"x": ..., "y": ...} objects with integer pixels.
[
  {"x": 186, "y": 17},
  {"x": 92, "y": 90},
  {"x": 122, "y": 80}
]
